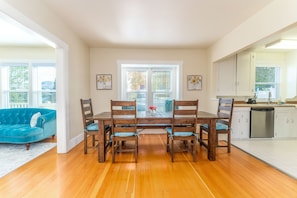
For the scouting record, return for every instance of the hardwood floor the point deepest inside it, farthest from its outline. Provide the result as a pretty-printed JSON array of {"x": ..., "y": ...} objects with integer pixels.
[{"x": 77, "y": 175}]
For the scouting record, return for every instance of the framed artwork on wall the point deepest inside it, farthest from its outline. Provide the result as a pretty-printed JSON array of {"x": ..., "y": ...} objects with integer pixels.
[
  {"x": 104, "y": 81},
  {"x": 194, "y": 82}
]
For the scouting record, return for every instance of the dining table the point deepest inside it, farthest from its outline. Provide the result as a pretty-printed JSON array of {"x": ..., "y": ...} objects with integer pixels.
[{"x": 148, "y": 119}]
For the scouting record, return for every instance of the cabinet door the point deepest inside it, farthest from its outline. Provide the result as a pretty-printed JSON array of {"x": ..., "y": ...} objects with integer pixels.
[
  {"x": 285, "y": 125},
  {"x": 240, "y": 123},
  {"x": 292, "y": 125},
  {"x": 244, "y": 73},
  {"x": 281, "y": 125},
  {"x": 236, "y": 122},
  {"x": 245, "y": 124},
  {"x": 226, "y": 71}
]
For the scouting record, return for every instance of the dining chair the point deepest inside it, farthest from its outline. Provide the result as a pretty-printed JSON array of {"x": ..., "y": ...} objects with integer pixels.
[
  {"x": 91, "y": 127},
  {"x": 223, "y": 126},
  {"x": 124, "y": 127},
  {"x": 183, "y": 127}
]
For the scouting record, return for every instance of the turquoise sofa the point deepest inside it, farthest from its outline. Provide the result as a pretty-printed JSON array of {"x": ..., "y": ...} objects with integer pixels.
[{"x": 26, "y": 125}]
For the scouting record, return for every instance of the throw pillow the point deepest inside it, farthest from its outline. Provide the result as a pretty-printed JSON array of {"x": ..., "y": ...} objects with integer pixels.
[{"x": 34, "y": 118}]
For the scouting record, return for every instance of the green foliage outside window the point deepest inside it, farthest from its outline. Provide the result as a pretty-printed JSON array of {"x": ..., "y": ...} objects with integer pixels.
[
  {"x": 267, "y": 80},
  {"x": 18, "y": 84},
  {"x": 161, "y": 80}
]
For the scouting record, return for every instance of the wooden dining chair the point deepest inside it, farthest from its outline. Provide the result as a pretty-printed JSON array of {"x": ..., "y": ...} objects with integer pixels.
[
  {"x": 124, "y": 127},
  {"x": 183, "y": 128},
  {"x": 223, "y": 126},
  {"x": 91, "y": 127}
]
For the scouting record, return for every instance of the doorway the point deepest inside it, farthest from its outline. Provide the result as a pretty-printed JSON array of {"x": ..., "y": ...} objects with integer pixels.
[{"x": 61, "y": 49}]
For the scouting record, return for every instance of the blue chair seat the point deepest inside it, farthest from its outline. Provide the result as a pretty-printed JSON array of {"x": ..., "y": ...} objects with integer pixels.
[
  {"x": 183, "y": 134},
  {"x": 169, "y": 130},
  {"x": 219, "y": 126},
  {"x": 92, "y": 127},
  {"x": 125, "y": 134}
]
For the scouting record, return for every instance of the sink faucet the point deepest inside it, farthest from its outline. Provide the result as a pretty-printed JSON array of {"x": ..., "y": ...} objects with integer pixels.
[{"x": 269, "y": 98}]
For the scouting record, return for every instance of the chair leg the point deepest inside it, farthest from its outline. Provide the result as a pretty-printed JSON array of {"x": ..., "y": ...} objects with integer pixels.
[
  {"x": 200, "y": 135},
  {"x": 93, "y": 140},
  {"x": 194, "y": 150},
  {"x": 167, "y": 145},
  {"x": 136, "y": 149},
  {"x": 172, "y": 150},
  {"x": 85, "y": 143},
  {"x": 229, "y": 143},
  {"x": 113, "y": 151}
]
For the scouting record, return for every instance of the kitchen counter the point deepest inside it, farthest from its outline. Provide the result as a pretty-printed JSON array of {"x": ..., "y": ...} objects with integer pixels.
[{"x": 264, "y": 105}]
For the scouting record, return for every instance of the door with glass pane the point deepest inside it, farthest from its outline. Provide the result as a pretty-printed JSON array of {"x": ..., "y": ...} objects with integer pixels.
[
  {"x": 137, "y": 88},
  {"x": 148, "y": 86}
]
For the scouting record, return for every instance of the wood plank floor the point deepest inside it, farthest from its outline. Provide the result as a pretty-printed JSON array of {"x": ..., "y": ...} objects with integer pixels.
[{"x": 77, "y": 175}]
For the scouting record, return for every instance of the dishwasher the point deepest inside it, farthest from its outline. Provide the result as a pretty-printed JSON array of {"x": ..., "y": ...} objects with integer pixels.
[{"x": 262, "y": 122}]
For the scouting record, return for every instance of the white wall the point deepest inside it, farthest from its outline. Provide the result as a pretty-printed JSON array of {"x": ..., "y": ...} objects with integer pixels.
[
  {"x": 104, "y": 61},
  {"x": 27, "y": 53}
]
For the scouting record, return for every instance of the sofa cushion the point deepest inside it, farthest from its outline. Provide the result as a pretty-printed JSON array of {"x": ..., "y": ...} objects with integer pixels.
[
  {"x": 15, "y": 125},
  {"x": 34, "y": 118},
  {"x": 20, "y": 133}
]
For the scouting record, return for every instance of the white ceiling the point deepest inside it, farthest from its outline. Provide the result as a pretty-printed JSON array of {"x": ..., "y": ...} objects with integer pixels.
[{"x": 146, "y": 23}]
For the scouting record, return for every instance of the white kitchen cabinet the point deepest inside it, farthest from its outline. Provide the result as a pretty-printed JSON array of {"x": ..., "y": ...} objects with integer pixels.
[
  {"x": 285, "y": 122},
  {"x": 240, "y": 123},
  {"x": 236, "y": 76},
  {"x": 226, "y": 71},
  {"x": 245, "y": 75}
]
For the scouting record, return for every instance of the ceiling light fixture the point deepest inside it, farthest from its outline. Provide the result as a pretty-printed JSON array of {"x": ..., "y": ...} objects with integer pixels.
[{"x": 282, "y": 44}]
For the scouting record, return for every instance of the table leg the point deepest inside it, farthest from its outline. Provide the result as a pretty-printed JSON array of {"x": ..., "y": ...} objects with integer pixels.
[
  {"x": 212, "y": 140},
  {"x": 101, "y": 149}
]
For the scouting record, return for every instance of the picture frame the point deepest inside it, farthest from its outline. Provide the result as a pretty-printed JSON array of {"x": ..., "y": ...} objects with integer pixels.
[
  {"x": 104, "y": 81},
  {"x": 194, "y": 82}
]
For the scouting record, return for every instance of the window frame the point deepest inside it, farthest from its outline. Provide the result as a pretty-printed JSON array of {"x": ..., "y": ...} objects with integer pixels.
[
  {"x": 33, "y": 92},
  {"x": 149, "y": 68},
  {"x": 274, "y": 95}
]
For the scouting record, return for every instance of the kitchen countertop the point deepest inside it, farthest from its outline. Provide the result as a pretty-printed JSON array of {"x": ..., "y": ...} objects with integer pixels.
[{"x": 264, "y": 105}]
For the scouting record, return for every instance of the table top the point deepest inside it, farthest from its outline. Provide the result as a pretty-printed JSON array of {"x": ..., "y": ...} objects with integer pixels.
[{"x": 158, "y": 115}]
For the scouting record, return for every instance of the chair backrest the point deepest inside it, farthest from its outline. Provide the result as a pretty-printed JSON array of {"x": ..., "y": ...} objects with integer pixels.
[
  {"x": 87, "y": 111},
  {"x": 225, "y": 108},
  {"x": 184, "y": 116},
  {"x": 123, "y": 116}
]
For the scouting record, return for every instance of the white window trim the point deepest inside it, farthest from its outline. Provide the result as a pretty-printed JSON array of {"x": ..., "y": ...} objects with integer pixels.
[
  {"x": 179, "y": 70},
  {"x": 30, "y": 64}
]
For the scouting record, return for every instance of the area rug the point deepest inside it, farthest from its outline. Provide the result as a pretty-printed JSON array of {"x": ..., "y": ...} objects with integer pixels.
[
  {"x": 281, "y": 154},
  {"x": 12, "y": 156}
]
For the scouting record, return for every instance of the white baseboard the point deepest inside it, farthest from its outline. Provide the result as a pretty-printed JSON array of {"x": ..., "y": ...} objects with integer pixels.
[{"x": 75, "y": 141}]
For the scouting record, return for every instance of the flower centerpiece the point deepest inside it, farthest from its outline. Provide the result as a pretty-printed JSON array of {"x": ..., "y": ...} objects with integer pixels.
[{"x": 153, "y": 108}]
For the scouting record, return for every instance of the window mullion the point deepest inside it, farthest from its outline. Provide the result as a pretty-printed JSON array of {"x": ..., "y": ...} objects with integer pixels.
[{"x": 149, "y": 87}]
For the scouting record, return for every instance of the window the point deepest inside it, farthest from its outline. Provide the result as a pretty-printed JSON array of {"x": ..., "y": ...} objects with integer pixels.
[
  {"x": 149, "y": 84},
  {"x": 28, "y": 85},
  {"x": 267, "y": 80}
]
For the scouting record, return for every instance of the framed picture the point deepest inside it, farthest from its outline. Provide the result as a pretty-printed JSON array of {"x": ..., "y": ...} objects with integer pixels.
[
  {"x": 104, "y": 81},
  {"x": 194, "y": 82}
]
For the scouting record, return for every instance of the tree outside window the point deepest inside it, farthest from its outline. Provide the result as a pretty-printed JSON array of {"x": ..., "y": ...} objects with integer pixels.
[
  {"x": 267, "y": 80},
  {"x": 28, "y": 85},
  {"x": 19, "y": 84},
  {"x": 149, "y": 84}
]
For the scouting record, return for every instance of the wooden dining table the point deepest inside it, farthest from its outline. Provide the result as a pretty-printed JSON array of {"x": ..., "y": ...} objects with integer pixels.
[{"x": 146, "y": 119}]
